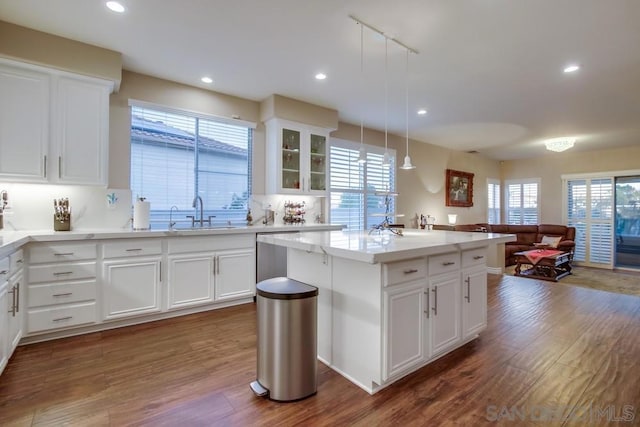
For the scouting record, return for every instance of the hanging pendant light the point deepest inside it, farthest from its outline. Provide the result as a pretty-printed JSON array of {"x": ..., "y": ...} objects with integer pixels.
[
  {"x": 407, "y": 160},
  {"x": 386, "y": 161},
  {"x": 362, "y": 152}
]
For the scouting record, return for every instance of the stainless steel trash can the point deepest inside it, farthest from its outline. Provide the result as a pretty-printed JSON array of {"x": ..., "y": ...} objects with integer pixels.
[{"x": 287, "y": 343}]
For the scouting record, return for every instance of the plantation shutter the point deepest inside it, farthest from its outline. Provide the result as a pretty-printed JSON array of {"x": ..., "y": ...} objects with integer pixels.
[
  {"x": 522, "y": 201},
  {"x": 493, "y": 201}
]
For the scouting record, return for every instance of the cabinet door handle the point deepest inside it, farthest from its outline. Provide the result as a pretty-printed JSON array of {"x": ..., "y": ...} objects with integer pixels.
[
  {"x": 63, "y": 253},
  {"x": 428, "y": 304},
  {"x": 59, "y": 166},
  {"x": 13, "y": 301},
  {"x": 17, "y": 309},
  {"x": 468, "y": 282},
  {"x": 62, "y": 273},
  {"x": 410, "y": 271},
  {"x": 60, "y": 319},
  {"x": 446, "y": 263},
  {"x": 217, "y": 261},
  {"x": 435, "y": 300},
  {"x": 160, "y": 270},
  {"x": 133, "y": 250},
  {"x": 478, "y": 257},
  {"x": 66, "y": 294},
  {"x": 45, "y": 166}
]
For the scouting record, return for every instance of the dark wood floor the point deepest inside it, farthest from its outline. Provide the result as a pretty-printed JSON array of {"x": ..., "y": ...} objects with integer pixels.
[{"x": 548, "y": 347}]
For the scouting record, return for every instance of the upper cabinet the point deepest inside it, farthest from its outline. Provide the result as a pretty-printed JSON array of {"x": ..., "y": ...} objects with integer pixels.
[
  {"x": 54, "y": 126},
  {"x": 297, "y": 158}
]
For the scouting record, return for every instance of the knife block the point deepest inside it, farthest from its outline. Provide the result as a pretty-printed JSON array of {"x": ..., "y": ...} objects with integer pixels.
[{"x": 62, "y": 225}]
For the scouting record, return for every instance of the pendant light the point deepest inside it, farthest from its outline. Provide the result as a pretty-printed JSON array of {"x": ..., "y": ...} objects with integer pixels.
[
  {"x": 386, "y": 161},
  {"x": 407, "y": 160},
  {"x": 362, "y": 152}
]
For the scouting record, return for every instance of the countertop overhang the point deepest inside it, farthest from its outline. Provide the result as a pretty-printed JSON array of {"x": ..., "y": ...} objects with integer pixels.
[
  {"x": 12, "y": 240},
  {"x": 385, "y": 247}
]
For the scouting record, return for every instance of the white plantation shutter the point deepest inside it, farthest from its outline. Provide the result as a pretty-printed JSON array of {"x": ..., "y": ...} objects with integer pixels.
[
  {"x": 352, "y": 186},
  {"x": 493, "y": 201},
  {"x": 590, "y": 210},
  {"x": 522, "y": 201},
  {"x": 176, "y": 156}
]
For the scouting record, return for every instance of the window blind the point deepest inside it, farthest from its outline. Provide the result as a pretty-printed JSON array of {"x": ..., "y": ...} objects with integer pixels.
[
  {"x": 353, "y": 186},
  {"x": 176, "y": 157},
  {"x": 522, "y": 201},
  {"x": 493, "y": 201}
]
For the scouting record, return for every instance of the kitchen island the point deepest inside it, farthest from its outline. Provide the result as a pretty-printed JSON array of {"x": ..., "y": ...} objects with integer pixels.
[{"x": 387, "y": 304}]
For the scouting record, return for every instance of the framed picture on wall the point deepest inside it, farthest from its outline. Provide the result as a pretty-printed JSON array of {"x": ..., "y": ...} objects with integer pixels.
[{"x": 459, "y": 191}]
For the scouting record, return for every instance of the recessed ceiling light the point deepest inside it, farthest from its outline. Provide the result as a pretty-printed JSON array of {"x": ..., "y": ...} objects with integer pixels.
[
  {"x": 207, "y": 80},
  {"x": 422, "y": 112},
  {"x": 115, "y": 6},
  {"x": 571, "y": 68},
  {"x": 321, "y": 76}
]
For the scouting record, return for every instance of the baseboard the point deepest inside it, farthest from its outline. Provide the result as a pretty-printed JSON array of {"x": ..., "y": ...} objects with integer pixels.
[{"x": 495, "y": 270}]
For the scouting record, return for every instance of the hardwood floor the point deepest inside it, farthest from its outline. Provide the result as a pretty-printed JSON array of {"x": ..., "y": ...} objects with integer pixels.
[{"x": 549, "y": 347}]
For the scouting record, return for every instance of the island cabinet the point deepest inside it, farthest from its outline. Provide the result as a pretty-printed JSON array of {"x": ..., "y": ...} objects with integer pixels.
[
  {"x": 132, "y": 278},
  {"x": 54, "y": 126},
  {"x": 296, "y": 158},
  {"x": 62, "y": 286},
  {"x": 4, "y": 313},
  {"x": 203, "y": 270},
  {"x": 378, "y": 322}
]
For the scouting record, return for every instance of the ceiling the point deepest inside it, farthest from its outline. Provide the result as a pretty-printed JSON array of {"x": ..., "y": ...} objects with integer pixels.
[{"x": 489, "y": 72}]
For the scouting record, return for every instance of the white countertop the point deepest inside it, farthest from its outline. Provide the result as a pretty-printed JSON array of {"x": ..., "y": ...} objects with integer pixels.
[
  {"x": 12, "y": 240},
  {"x": 385, "y": 247}
]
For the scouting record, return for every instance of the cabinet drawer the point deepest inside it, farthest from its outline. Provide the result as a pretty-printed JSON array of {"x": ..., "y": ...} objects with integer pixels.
[
  {"x": 61, "y": 317},
  {"x": 4, "y": 269},
  {"x": 133, "y": 247},
  {"x": 179, "y": 245},
  {"x": 405, "y": 271},
  {"x": 56, "y": 253},
  {"x": 61, "y": 293},
  {"x": 474, "y": 257},
  {"x": 444, "y": 263},
  {"x": 16, "y": 261},
  {"x": 57, "y": 273}
]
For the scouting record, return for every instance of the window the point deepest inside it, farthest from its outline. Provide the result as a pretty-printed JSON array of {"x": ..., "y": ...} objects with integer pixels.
[
  {"x": 590, "y": 211},
  {"x": 177, "y": 155},
  {"x": 493, "y": 201},
  {"x": 353, "y": 186},
  {"x": 521, "y": 200}
]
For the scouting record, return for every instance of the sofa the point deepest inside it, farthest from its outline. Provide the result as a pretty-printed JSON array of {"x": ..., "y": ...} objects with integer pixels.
[{"x": 526, "y": 236}]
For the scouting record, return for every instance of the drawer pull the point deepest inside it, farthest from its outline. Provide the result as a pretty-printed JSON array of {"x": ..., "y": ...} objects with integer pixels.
[
  {"x": 410, "y": 271},
  {"x": 62, "y": 273},
  {"x": 4, "y": 272},
  {"x": 448, "y": 263},
  {"x": 19, "y": 261},
  {"x": 60, "y": 319},
  {"x": 66, "y": 294},
  {"x": 478, "y": 257},
  {"x": 64, "y": 254}
]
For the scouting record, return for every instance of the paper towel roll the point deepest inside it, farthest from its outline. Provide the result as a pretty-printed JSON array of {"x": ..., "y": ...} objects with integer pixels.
[{"x": 141, "y": 215}]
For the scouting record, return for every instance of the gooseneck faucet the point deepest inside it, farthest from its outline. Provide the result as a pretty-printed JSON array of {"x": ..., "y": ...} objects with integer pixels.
[
  {"x": 195, "y": 205},
  {"x": 171, "y": 221}
]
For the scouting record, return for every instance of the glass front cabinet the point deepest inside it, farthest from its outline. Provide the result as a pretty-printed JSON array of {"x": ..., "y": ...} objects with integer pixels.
[{"x": 297, "y": 161}]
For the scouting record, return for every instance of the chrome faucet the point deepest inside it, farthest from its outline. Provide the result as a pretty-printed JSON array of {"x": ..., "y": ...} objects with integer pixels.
[
  {"x": 171, "y": 221},
  {"x": 195, "y": 205}
]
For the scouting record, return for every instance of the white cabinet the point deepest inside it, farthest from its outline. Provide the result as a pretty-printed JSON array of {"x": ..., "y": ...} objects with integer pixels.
[
  {"x": 405, "y": 328},
  {"x": 296, "y": 158},
  {"x": 80, "y": 131},
  {"x": 24, "y": 124},
  {"x": 474, "y": 291},
  {"x": 62, "y": 286},
  {"x": 209, "y": 269},
  {"x": 131, "y": 285},
  {"x": 445, "y": 312},
  {"x": 54, "y": 126},
  {"x": 16, "y": 310},
  {"x": 4, "y": 313}
]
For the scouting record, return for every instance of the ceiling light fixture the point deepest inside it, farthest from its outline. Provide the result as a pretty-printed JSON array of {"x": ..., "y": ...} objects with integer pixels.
[
  {"x": 559, "y": 144},
  {"x": 422, "y": 112},
  {"x": 362, "y": 152},
  {"x": 207, "y": 80},
  {"x": 571, "y": 68},
  {"x": 386, "y": 160},
  {"x": 115, "y": 6},
  {"x": 321, "y": 76},
  {"x": 407, "y": 160}
]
